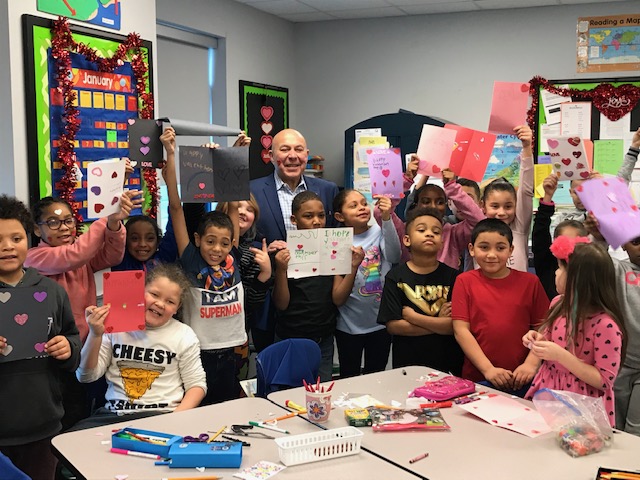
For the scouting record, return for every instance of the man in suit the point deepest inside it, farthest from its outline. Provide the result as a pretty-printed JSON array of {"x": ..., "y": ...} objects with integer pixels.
[{"x": 274, "y": 193}]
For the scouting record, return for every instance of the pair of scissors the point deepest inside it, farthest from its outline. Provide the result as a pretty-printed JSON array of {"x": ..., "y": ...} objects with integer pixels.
[
  {"x": 242, "y": 431},
  {"x": 202, "y": 438}
]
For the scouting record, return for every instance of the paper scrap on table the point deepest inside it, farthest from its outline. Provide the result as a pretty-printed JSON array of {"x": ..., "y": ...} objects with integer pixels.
[
  {"x": 365, "y": 401},
  {"x": 260, "y": 471},
  {"x": 510, "y": 414}
]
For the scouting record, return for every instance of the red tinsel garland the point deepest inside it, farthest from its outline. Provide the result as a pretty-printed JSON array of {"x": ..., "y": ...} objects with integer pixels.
[
  {"x": 613, "y": 102},
  {"x": 62, "y": 45}
]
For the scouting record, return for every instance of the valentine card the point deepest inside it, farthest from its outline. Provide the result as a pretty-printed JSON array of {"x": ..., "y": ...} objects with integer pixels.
[
  {"x": 508, "y": 106},
  {"x": 385, "y": 172},
  {"x": 196, "y": 174},
  {"x": 478, "y": 156},
  {"x": 435, "y": 149},
  {"x": 24, "y": 322},
  {"x": 508, "y": 413},
  {"x": 231, "y": 173},
  {"x": 460, "y": 146},
  {"x": 319, "y": 251},
  {"x": 105, "y": 184},
  {"x": 125, "y": 292},
  {"x": 569, "y": 158},
  {"x": 145, "y": 146},
  {"x": 611, "y": 202}
]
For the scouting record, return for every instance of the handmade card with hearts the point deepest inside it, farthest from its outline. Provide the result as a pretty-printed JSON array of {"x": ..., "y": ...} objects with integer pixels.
[
  {"x": 460, "y": 146},
  {"x": 124, "y": 291},
  {"x": 569, "y": 158},
  {"x": 319, "y": 251},
  {"x": 231, "y": 174},
  {"x": 508, "y": 413},
  {"x": 611, "y": 202},
  {"x": 508, "y": 106},
  {"x": 434, "y": 150},
  {"x": 105, "y": 184},
  {"x": 196, "y": 174},
  {"x": 385, "y": 172},
  {"x": 478, "y": 155},
  {"x": 24, "y": 322},
  {"x": 145, "y": 146}
]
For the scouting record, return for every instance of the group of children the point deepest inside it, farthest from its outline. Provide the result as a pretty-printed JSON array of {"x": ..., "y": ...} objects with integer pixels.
[{"x": 412, "y": 285}]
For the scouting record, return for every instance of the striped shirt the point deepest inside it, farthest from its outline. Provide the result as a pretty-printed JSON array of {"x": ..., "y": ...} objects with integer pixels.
[{"x": 285, "y": 197}]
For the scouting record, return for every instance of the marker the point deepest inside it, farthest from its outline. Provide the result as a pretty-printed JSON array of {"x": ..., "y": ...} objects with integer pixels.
[
  {"x": 418, "y": 458},
  {"x": 283, "y": 417},
  {"x": 121, "y": 451},
  {"x": 437, "y": 405},
  {"x": 268, "y": 427},
  {"x": 295, "y": 406}
]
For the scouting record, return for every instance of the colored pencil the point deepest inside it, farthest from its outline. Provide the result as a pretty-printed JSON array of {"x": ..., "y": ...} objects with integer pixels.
[{"x": 217, "y": 434}]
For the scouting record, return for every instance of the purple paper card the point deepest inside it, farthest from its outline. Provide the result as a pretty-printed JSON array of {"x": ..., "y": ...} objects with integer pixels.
[
  {"x": 385, "y": 172},
  {"x": 612, "y": 204}
]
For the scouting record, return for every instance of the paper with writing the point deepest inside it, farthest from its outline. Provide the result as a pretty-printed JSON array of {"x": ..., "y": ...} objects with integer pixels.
[{"x": 319, "y": 251}]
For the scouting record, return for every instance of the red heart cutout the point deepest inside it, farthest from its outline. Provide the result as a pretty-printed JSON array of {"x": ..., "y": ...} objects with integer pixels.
[
  {"x": 300, "y": 246},
  {"x": 115, "y": 200},
  {"x": 396, "y": 150},
  {"x": 201, "y": 185},
  {"x": 266, "y": 112},
  {"x": 138, "y": 275},
  {"x": 535, "y": 432},
  {"x": 524, "y": 87},
  {"x": 575, "y": 141},
  {"x": 606, "y": 184},
  {"x": 634, "y": 208},
  {"x": 386, "y": 172},
  {"x": 604, "y": 97},
  {"x": 614, "y": 209},
  {"x": 566, "y": 161},
  {"x": 108, "y": 329},
  {"x": 369, "y": 151},
  {"x": 527, "y": 409},
  {"x": 266, "y": 156},
  {"x": 579, "y": 188},
  {"x": 584, "y": 175},
  {"x": 141, "y": 327},
  {"x": 107, "y": 275},
  {"x": 494, "y": 421},
  {"x": 577, "y": 154},
  {"x": 266, "y": 141},
  {"x": 98, "y": 207},
  {"x": 435, "y": 169},
  {"x": 334, "y": 251},
  {"x": 314, "y": 269},
  {"x": 114, "y": 175},
  {"x": 580, "y": 165}
]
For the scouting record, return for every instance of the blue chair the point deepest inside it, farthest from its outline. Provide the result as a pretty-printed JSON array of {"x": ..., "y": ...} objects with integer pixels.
[{"x": 285, "y": 364}]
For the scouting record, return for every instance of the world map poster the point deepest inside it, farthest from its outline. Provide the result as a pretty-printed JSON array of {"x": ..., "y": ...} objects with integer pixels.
[{"x": 608, "y": 44}]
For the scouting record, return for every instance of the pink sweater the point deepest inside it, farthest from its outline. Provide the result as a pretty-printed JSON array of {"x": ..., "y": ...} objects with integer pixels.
[
  {"x": 455, "y": 238},
  {"x": 73, "y": 266}
]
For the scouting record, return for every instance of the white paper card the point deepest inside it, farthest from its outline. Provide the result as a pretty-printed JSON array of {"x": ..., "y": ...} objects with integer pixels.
[
  {"x": 576, "y": 119},
  {"x": 105, "y": 184},
  {"x": 319, "y": 251},
  {"x": 367, "y": 132}
]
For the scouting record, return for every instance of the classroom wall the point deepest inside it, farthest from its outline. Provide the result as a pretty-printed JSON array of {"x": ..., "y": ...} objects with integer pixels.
[
  {"x": 137, "y": 16},
  {"x": 438, "y": 65},
  {"x": 258, "y": 46}
]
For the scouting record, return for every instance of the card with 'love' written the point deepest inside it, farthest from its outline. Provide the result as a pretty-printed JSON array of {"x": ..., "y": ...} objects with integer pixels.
[
  {"x": 569, "y": 158},
  {"x": 105, "y": 184},
  {"x": 24, "y": 322},
  {"x": 319, "y": 251},
  {"x": 145, "y": 146},
  {"x": 124, "y": 291}
]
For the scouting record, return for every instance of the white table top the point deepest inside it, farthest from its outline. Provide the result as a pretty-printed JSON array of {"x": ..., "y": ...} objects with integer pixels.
[
  {"x": 472, "y": 449},
  {"x": 85, "y": 451}
]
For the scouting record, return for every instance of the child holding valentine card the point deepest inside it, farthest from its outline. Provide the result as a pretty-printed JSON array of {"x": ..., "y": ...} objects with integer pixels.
[
  {"x": 30, "y": 398},
  {"x": 306, "y": 307},
  {"x": 581, "y": 343},
  {"x": 357, "y": 330},
  {"x": 211, "y": 264},
  {"x": 543, "y": 260},
  {"x": 151, "y": 371},
  {"x": 415, "y": 305},
  {"x": 493, "y": 307},
  {"x": 500, "y": 200}
]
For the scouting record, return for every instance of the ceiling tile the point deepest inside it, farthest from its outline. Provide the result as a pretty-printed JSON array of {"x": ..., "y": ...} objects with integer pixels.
[
  {"x": 497, "y": 4},
  {"x": 330, "y": 5},
  {"x": 411, "y": 3},
  {"x": 449, "y": 7},
  {"x": 368, "y": 13},
  {"x": 282, "y": 7},
  {"x": 308, "y": 17}
]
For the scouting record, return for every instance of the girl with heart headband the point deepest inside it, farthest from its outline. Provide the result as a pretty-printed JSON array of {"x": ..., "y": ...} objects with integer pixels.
[
  {"x": 357, "y": 329},
  {"x": 167, "y": 375},
  {"x": 30, "y": 399},
  {"x": 581, "y": 343},
  {"x": 500, "y": 200}
]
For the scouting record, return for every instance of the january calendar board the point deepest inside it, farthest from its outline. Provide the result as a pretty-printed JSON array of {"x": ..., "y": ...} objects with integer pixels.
[{"x": 105, "y": 101}]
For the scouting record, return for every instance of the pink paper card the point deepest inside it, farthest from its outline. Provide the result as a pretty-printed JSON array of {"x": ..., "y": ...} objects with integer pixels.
[
  {"x": 612, "y": 204},
  {"x": 385, "y": 172},
  {"x": 588, "y": 146},
  {"x": 478, "y": 156},
  {"x": 508, "y": 413},
  {"x": 125, "y": 292},
  {"x": 569, "y": 158},
  {"x": 434, "y": 150},
  {"x": 460, "y": 146},
  {"x": 508, "y": 107}
]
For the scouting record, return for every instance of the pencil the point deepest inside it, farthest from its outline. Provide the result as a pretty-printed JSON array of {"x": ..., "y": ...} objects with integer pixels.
[
  {"x": 418, "y": 458},
  {"x": 217, "y": 434}
]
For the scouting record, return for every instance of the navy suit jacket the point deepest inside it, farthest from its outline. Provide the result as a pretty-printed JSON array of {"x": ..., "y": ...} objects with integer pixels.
[{"x": 271, "y": 223}]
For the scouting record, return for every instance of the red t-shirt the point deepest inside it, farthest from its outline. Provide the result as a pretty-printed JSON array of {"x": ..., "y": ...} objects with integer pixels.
[{"x": 499, "y": 312}]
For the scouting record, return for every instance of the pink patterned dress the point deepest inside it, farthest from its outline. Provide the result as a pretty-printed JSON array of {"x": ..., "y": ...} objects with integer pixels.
[{"x": 598, "y": 343}]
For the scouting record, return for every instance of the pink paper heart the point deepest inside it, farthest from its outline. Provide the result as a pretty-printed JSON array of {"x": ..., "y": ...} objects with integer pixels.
[
  {"x": 144, "y": 150},
  {"x": 266, "y": 112},
  {"x": 40, "y": 296},
  {"x": 96, "y": 171},
  {"x": 266, "y": 141},
  {"x": 553, "y": 143},
  {"x": 21, "y": 318},
  {"x": 435, "y": 169},
  {"x": 386, "y": 172},
  {"x": 131, "y": 121},
  {"x": 584, "y": 174},
  {"x": 333, "y": 257},
  {"x": 266, "y": 127},
  {"x": 39, "y": 347},
  {"x": 145, "y": 140},
  {"x": 335, "y": 244},
  {"x": 201, "y": 185}
]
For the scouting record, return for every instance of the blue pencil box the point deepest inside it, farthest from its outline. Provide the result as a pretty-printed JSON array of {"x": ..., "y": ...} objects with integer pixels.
[
  {"x": 198, "y": 454},
  {"x": 158, "y": 443}
]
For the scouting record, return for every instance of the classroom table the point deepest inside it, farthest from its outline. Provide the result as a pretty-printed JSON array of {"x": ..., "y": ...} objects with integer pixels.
[
  {"x": 90, "y": 458},
  {"x": 472, "y": 449}
]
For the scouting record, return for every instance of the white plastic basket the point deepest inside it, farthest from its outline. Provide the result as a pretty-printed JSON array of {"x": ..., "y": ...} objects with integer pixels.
[{"x": 313, "y": 447}]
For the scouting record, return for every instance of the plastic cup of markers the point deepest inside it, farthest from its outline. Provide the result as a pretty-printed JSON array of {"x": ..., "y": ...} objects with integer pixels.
[{"x": 318, "y": 406}]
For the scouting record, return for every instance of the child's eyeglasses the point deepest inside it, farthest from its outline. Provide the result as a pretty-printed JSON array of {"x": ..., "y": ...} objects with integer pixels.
[{"x": 55, "y": 224}]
